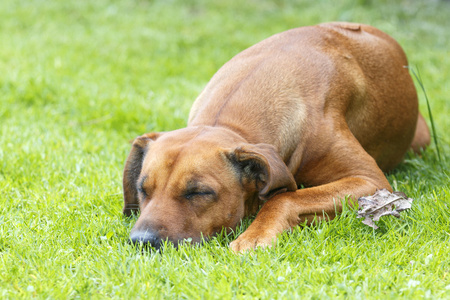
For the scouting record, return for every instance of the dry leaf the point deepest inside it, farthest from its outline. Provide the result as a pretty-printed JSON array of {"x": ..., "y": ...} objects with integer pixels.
[{"x": 382, "y": 203}]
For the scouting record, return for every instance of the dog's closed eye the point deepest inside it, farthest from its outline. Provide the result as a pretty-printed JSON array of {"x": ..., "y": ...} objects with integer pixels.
[
  {"x": 140, "y": 187},
  {"x": 142, "y": 190},
  {"x": 191, "y": 194}
]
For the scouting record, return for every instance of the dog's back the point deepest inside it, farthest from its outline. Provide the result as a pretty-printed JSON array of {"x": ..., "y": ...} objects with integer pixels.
[{"x": 350, "y": 74}]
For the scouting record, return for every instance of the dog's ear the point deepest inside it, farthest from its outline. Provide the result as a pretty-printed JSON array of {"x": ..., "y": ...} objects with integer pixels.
[
  {"x": 262, "y": 165},
  {"x": 132, "y": 170}
]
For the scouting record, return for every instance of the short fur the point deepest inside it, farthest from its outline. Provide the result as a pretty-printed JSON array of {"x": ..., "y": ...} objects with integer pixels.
[{"x": 329, "y": 107}]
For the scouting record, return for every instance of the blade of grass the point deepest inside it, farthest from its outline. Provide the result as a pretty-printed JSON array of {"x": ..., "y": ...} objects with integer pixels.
[{"x": 433, "y": 127}]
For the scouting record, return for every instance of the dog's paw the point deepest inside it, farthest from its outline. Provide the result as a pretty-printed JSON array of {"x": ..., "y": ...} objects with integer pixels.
[{"x": 247, "y": 242}]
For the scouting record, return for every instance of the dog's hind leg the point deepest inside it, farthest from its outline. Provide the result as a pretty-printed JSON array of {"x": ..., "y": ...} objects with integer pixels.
[{"x": 422, "y": 136}]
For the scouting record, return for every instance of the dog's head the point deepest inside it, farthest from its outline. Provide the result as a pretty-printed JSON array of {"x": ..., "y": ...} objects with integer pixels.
[{"x": 193, "y": 182}]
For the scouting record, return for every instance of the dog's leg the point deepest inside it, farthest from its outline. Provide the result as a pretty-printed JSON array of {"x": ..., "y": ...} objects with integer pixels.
[
  {"x": 353, "y": 173},
  {"x": 287, "y": 210},
  {"x": 422, "y": 135}
]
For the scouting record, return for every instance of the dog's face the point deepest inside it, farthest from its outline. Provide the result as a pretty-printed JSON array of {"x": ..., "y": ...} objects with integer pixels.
[{"x": 193, "y": 182}]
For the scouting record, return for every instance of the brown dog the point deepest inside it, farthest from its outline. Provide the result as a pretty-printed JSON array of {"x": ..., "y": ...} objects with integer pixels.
[{"x": 327, "y": 106}]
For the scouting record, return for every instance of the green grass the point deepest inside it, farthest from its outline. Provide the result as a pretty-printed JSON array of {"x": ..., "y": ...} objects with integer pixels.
[{"x": 79, "y": 79}]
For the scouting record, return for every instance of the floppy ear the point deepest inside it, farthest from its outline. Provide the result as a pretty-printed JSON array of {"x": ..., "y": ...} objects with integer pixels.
[
  {"x": 262, "y": 164},
  {"x": 132, "y": 170}
]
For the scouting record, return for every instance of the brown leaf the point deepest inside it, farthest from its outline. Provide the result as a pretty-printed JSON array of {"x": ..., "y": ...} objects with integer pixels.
[{"x": 382, "y": 203}]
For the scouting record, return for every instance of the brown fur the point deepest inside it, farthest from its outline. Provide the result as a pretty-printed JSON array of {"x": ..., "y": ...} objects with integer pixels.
[{"x": 328, "y": 106}]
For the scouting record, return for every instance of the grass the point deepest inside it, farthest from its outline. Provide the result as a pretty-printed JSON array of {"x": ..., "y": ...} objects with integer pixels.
[
  {"x": 430, "y": 114},
  {"x": 79, "y": 79}
]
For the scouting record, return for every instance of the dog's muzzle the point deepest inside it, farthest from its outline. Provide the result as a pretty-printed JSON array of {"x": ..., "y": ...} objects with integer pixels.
[{"x": 146, "y": 238}]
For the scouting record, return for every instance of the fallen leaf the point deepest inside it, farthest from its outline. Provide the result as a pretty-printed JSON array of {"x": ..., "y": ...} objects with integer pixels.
[{"x": 382, "y": 203}]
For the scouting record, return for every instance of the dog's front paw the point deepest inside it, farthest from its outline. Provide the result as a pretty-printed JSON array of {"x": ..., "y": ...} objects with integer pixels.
[{"x": 247, "y": 241}]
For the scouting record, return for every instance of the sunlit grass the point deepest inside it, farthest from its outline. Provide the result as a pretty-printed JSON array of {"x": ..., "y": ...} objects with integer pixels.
[{"x": 80, "y": 79}]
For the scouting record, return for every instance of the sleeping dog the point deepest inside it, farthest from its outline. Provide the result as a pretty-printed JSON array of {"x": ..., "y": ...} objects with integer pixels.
[{"x": 329, "y": 107}]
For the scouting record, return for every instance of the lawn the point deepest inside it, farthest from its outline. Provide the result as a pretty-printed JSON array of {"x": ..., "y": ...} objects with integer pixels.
[{"x": 80, "y": 79}]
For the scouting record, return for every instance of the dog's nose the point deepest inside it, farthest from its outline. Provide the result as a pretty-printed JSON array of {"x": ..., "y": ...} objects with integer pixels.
[{"x": 147, "y": 238}]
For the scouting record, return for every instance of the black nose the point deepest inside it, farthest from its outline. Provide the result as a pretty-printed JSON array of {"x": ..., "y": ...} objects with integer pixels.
[{"x": 146, "y": 238}]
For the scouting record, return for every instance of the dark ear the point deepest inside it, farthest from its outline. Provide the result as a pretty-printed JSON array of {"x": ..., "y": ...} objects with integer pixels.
[
  {"x": 132, "y": 170},
  {"x": 262, "y": 164}
]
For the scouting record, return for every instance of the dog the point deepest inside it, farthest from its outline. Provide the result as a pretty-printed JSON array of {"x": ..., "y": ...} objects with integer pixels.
[{"x": 326, "y": 107}]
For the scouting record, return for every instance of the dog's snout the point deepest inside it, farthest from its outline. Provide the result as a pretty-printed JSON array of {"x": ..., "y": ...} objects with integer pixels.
[{"x": 146, "y": 238}]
